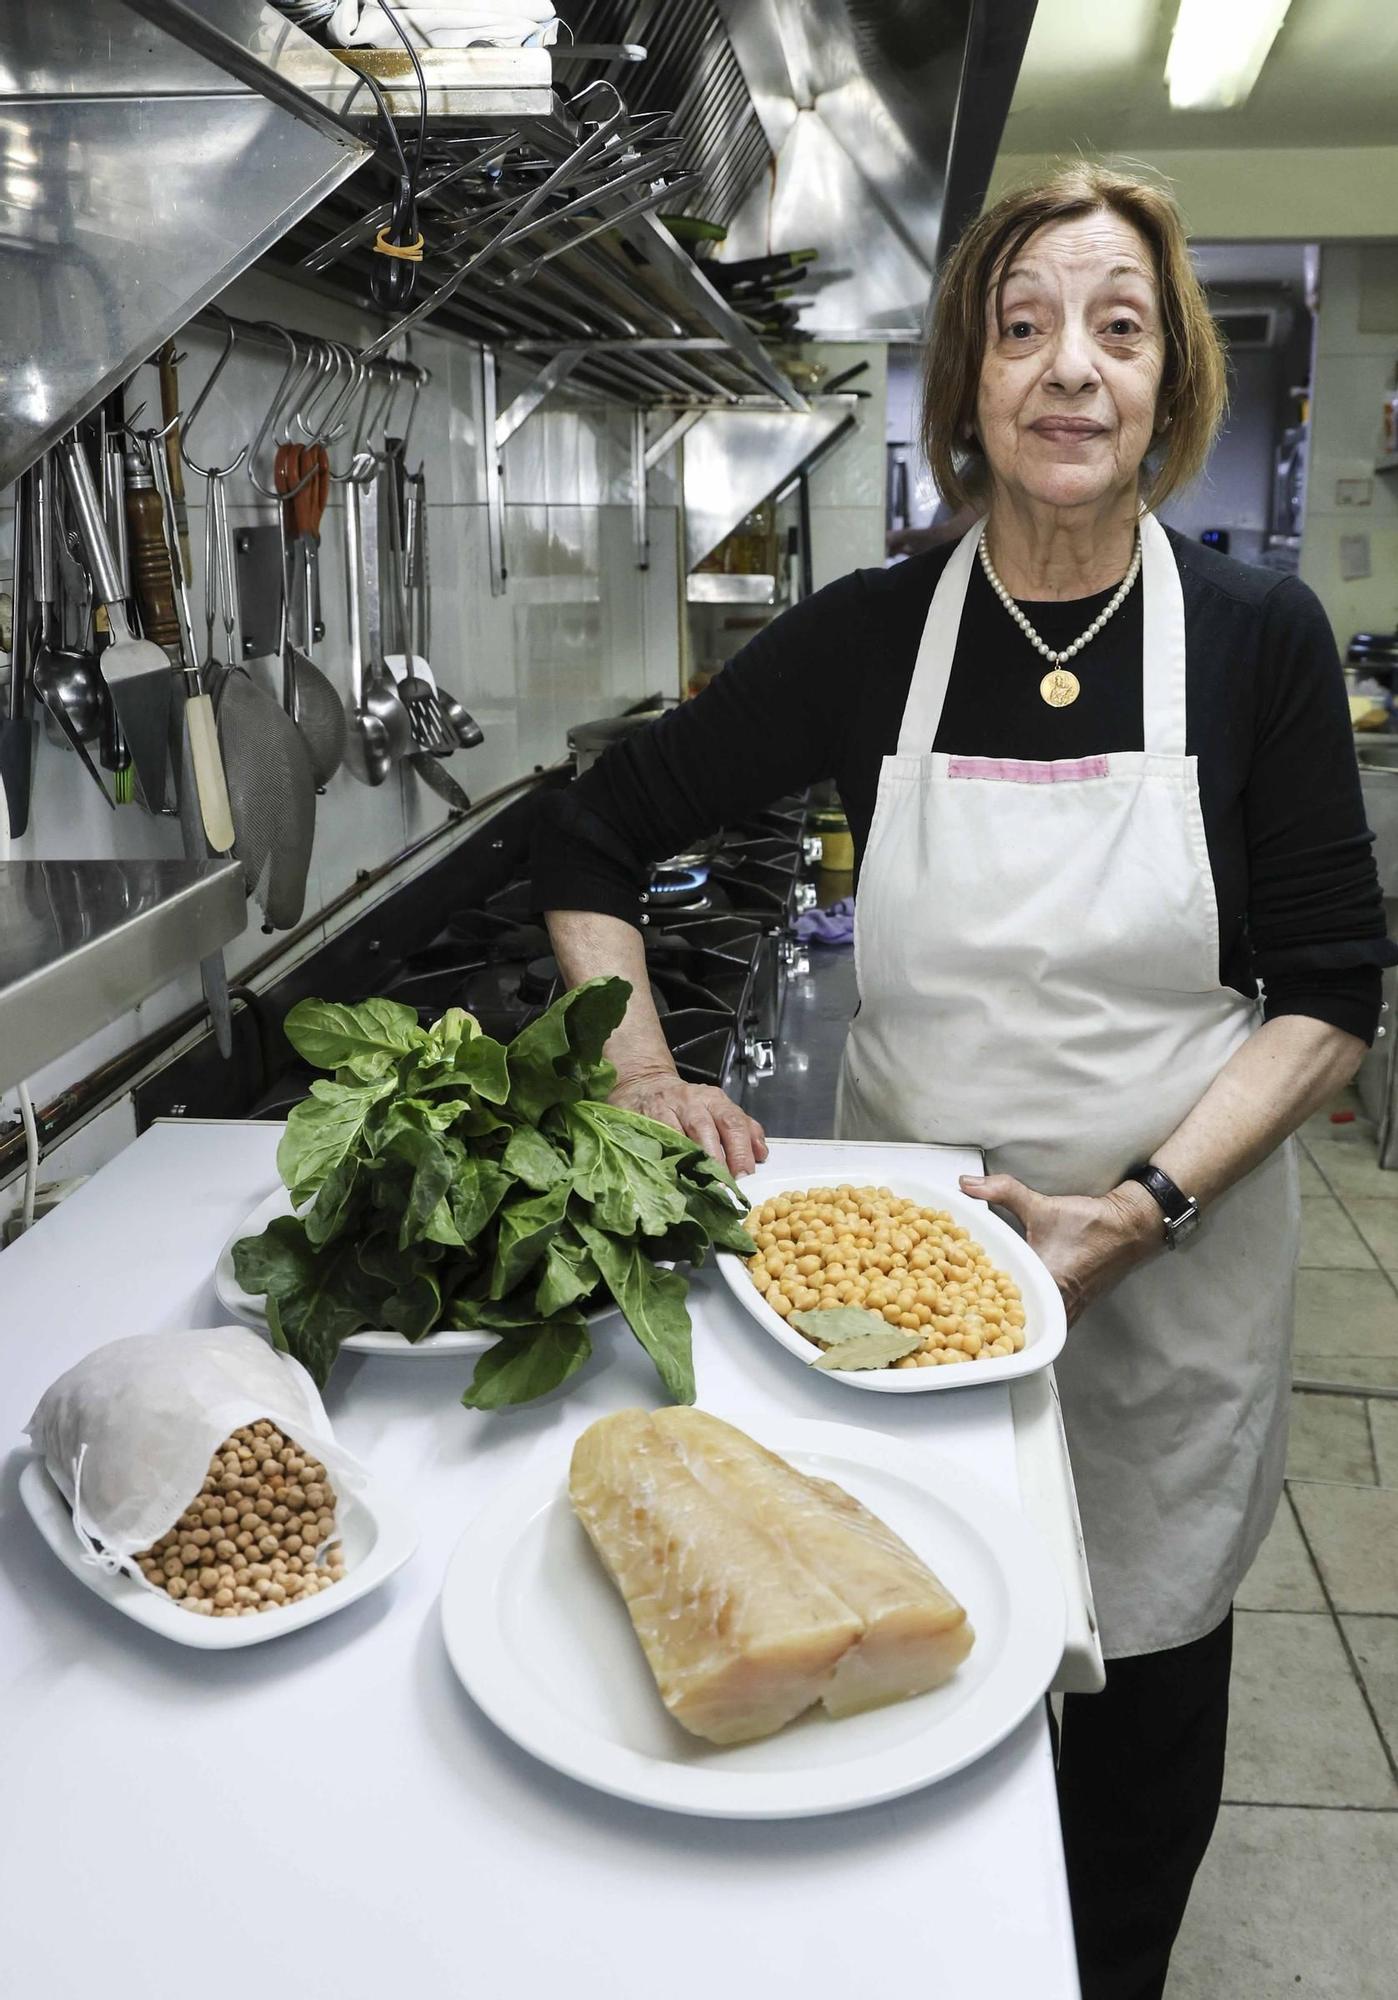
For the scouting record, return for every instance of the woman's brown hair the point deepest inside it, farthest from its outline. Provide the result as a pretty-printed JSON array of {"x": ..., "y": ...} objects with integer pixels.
[{"x": 1193, "y": 389}]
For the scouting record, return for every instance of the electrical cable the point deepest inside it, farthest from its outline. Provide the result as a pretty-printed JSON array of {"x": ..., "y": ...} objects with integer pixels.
[
  {"x": 26, "y": 1105},
  {"x": 400, "y": 241},
  {"x": 31, "y": 1156}
]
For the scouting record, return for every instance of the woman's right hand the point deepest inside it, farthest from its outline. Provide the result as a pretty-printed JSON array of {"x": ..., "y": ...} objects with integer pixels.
[{"x": 701, "y": 1112}]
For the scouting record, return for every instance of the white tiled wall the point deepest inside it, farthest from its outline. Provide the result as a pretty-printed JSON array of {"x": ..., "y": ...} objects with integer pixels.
[
  {"x": 580, "y": 632},
  {"x": 1352, "y": 372}
]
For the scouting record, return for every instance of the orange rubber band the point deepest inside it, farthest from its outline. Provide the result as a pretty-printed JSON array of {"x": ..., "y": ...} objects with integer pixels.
[{"x": 411, "y": 253}]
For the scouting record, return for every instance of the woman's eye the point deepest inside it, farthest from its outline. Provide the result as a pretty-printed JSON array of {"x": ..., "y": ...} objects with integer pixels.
[
  {"x": 1020, "y": 329},
  {"x": 1122, "y": 329}
]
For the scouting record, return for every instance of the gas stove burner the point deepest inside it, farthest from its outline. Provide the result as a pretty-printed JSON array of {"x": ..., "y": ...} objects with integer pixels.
[
  {"x": 540, "y": 983},
  {"x": 677, "y": 888}
]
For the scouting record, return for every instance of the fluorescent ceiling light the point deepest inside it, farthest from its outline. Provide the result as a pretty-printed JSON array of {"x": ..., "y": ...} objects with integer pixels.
[{"x": 1217, "y": 51}]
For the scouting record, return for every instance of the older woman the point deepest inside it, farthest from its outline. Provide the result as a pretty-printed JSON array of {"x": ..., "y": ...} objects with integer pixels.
[{"x": 1118, "y": 924}]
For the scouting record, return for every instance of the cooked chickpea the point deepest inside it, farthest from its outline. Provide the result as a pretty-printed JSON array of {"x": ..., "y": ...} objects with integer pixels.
[{"x": 913, "y": 1267}]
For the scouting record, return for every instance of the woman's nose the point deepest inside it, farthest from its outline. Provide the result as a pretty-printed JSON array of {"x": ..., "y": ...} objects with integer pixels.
[{"x": 1073, "y": 363}]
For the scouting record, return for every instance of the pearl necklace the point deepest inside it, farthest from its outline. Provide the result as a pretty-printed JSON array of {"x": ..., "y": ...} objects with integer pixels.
[{"x": 1060, "y": 687}]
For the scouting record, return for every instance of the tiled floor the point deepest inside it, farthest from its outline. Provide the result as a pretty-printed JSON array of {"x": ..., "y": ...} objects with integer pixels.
[{"x": 1299, "y": 1892}]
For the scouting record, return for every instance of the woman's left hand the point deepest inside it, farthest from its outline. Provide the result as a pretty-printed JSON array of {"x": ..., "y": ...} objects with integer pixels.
[{"x": 1088, "y": 1241}]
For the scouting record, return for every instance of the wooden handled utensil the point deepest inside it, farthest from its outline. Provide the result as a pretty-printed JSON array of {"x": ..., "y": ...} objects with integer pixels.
[
  {"x": 206, "y": 760},
  {"x": 151, "y": 571}
]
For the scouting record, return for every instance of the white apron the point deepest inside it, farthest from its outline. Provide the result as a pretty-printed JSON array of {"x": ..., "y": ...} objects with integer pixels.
[{"x": 1037, "y": 951}]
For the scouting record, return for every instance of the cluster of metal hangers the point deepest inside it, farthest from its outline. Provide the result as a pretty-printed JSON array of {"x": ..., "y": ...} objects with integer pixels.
[
  {"x": 619, "y": 162},
  {"x": 328, "y": 392}
]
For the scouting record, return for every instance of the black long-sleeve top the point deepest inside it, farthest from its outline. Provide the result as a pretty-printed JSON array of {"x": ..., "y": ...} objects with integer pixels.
[{"x": 820, "y": 694}]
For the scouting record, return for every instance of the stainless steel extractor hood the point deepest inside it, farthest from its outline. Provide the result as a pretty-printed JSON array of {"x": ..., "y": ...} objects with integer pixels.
[
  {"x": 736, "y": 459},
  {"x": 884, "y": 117},
  {"x": 149, "y": 152}
]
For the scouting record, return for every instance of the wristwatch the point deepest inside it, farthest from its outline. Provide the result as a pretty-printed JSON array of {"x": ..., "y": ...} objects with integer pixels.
[{"x": 1180, "y": 1210}]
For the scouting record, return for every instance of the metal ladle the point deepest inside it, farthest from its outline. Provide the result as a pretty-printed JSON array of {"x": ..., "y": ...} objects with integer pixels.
[
  {"x": 367, "y": 753},
  {"x": 67, "y": 683}
]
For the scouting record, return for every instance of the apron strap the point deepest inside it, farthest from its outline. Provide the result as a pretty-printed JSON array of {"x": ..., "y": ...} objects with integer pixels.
[
  {"x": 927, "y": 692},
  {"x": 1163, "y": 680}
]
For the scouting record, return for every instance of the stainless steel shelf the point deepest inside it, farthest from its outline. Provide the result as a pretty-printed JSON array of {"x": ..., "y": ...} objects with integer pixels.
[
  {"x": 641, "y": 321},
  {"x": 82, "y": 942},
  {"x": 474, "y": 87}
]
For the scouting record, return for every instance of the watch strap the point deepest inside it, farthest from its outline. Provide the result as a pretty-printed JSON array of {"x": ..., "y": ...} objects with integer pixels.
[{"x": 1180, "y": 1210}]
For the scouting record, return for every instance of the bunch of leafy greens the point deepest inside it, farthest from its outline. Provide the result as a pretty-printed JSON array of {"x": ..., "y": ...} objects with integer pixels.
[{"x": 443, "y": 1179}]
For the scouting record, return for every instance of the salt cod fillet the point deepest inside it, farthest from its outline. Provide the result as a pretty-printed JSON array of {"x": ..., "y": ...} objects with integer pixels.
[
  {"x": 739, "y": 1637},
  {"x": 915, "y": 1633}
]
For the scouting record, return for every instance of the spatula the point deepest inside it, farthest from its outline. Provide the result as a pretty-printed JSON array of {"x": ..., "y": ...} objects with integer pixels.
[{"x": 136, "y": 670}]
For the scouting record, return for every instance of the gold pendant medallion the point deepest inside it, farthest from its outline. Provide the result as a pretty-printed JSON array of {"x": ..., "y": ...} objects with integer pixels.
[{"x": 1060, "y": 688}]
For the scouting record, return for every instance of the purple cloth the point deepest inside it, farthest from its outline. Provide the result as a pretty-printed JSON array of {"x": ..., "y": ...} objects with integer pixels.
[{"x": 832, "y": 926}]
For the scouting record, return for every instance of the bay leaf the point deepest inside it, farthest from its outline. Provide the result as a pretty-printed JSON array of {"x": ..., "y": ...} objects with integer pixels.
[
  {"x": 832, "y": 1324},
  {"x": 870, "y": 1350}
]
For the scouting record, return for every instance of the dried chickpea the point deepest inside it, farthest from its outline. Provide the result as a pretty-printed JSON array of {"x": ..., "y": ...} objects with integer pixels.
[{"x": 236, "y": 1549}]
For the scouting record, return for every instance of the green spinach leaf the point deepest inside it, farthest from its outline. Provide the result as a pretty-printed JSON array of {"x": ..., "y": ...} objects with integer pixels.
[
  {"x": 314, "y": 1298},
  {"x": 334, "y": 1203},
  {"x": 715, "y": 1214},
  {"x": 477, "y": 1190},
  {"x": 653, "y": 1303},
  {"x": 367, "y": 1039},
  {"x": 434, "y": 1163},
  {"x": 526, "y": 1228},
  {"x": 570, "y": 1274},
  {"x": 558, "y": 1058},
  {"x": 522, "y": 1366},
  {"x": 531, "y": 1159},
  {"x": 619, "y": 1171},
  {"x": 323, "y": 1129}
]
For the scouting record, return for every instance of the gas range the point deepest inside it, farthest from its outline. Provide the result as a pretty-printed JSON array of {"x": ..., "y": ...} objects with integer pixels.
[{"x": 719, "y": 949}]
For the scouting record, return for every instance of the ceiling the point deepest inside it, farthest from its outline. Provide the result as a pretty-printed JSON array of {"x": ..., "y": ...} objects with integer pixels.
[{"x": 1093, "y": 78}]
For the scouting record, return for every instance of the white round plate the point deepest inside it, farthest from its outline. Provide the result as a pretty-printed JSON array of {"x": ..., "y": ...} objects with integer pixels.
[
  {"x": 543, "y": 1644},
  {"x": 248, "y": 1308},
  {"x": 377, "y": 1532},
  {"x": 1045, "y": 1324}
]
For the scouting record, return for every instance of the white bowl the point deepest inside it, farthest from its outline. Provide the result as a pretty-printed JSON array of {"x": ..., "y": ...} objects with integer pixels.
[
  {"x": 248, "y": 1307},
  {"x": 1045, "y": 1323},
  {"x": 376, "y": 1531}
]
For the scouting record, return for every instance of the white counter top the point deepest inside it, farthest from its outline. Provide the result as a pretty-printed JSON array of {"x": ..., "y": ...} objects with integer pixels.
[{"x": 331, "y": 1811}]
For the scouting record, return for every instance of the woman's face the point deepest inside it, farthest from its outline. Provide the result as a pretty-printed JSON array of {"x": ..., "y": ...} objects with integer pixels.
[{"x": 1066, "y": 406}]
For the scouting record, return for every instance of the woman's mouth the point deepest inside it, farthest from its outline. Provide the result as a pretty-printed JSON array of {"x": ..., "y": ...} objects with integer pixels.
[{"x": 1067, "y": 430}]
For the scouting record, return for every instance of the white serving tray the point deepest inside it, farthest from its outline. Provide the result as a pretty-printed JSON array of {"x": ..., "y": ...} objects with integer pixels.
[
  {"x": 376, "y": 1531},
  {"x": 1045, "y": 1323},
  {"x": 542, "y": 1642}
]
